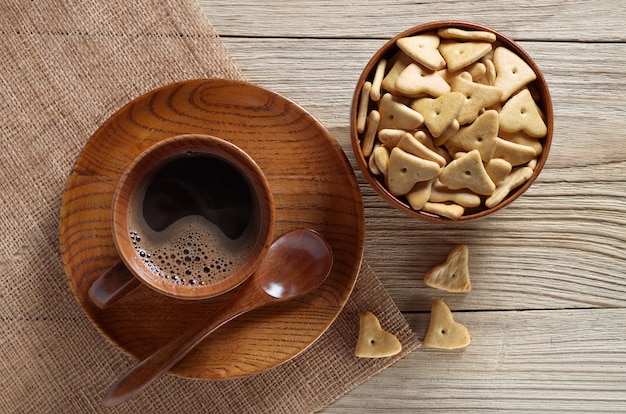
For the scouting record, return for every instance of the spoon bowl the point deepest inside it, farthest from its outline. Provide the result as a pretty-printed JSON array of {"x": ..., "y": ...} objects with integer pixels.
[{"x": 296, "y": 264}]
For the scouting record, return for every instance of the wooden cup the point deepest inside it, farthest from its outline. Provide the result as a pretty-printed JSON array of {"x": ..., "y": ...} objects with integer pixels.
[{"x": 134, "y": 265}]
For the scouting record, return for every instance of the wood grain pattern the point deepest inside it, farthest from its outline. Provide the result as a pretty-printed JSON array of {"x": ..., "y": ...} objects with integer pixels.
[
  {"x": 278, "y": 135},
  {"x": 546, "y": 311}
]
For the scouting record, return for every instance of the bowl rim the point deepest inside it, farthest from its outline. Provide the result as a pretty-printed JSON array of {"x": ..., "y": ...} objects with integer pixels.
[{"x": 389, "y": 49}]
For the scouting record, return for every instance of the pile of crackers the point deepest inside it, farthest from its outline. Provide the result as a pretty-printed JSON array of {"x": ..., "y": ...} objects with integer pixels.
[
  {"x": 443, "y": 332},
  {"x": 451, "y": 122}
]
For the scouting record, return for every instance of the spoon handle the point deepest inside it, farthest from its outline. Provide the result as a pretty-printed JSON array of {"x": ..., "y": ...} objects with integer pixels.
[{"x": 157, "y": 364}]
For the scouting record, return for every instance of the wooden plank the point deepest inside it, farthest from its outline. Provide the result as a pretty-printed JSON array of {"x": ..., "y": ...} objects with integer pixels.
[
  {"x": 585, "y": 20},
  {"x": 532, "y": 361},
  {"x": 517, "y": 255},
  {"x": 320, "y": 76}
]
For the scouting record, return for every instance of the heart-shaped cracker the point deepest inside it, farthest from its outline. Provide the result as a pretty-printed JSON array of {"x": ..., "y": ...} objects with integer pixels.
[
  {"x": 396, "y": 115},
  {"x": 373, "y": 341},
  {"x": 520, "y": 113},
  {"x": 405, "y": 170},
  {"x": 468, "y": 171},
  {"x": 417, "y": 81},
  {"x": 443, "y": 331},
  {"x": 512, "y": 72},
  {"x": 480, "y": 134},
  {"x": 461, "y": 54},
  {"x": 423, "y": 49},
  {"x": 478, "y": 96},
  {"x": 439, "y": 113},
  {"x": 453, "y": 274}
]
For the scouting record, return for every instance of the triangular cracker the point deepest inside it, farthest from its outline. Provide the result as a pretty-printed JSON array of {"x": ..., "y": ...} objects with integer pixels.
[
  {"x": 468, "y": 171},
  {"x": 417, "y": 81},
  {"x": 394, "y": 114},
  {"x": 480, "y": 135},
  {"x": 405, "y": 170},
  {"x": 478, "y": 96},
  {"x": 423, "y": 49},
  {"x": 461, "y": 54},
  {"x": 453, "y": 274},
  {"x": 520, "y": 113},
  {"x": 512, "y": 72},
  {"x": 443, "y": 331},
  {"x": 439, "y": 113},
  {"x": 373, "y": 341}
]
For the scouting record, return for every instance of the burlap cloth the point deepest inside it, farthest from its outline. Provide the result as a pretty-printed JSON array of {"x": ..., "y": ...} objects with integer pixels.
[{"x": 65, "y": 67}]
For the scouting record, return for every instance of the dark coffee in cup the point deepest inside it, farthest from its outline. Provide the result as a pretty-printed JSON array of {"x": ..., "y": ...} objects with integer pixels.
[{"x": 195, "y": 219}]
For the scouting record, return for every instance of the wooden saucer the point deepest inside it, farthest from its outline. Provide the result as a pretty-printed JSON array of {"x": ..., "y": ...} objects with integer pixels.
[{"x": 313, "y": 184}]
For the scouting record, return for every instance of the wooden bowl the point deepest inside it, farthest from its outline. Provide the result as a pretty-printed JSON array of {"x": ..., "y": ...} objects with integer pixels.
[{"x": 387, "y": 51}]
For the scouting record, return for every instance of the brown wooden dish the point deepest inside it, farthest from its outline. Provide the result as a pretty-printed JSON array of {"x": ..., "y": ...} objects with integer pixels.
[
  {"x": 387, "y": 51},
  {"x": 313, "y": 186}
]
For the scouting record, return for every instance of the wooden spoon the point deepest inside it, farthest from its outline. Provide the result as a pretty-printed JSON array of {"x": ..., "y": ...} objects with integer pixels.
[{"x": 297, "y": 263}]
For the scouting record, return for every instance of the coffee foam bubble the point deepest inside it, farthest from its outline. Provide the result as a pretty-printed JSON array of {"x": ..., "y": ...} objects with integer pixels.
[{"x": 191, "y": 251}]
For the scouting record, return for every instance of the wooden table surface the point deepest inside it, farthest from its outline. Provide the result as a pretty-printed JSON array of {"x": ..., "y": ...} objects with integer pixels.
[{"x": 547, "y": 311}]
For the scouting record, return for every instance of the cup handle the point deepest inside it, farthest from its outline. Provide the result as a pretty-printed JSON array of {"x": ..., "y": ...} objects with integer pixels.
[{"x": 112, "y": 285}]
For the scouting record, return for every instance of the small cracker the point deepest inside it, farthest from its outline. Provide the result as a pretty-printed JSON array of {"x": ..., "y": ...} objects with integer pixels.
[
  {"x": 373, "y": 341},
  {"x": 516, "y": 178},
  {"x": 440, "y": 193},
  {"x": 419, "y": 194},
  {"x": 448, "y": 133},
  {"x": 450, "y": 210},
  {"x": 460, "y": 34},
  {"x": 453, "y": 274},
  {"x": 378, "y": 79},
  {"x": 417, "y": 81},
  {"x": 396, "y": 115},
  {"x": 400, "y": 62},
  {"x": 364, "y": 101},
  {"x": 468, "y": 171},
  {"x": 423, "y": 49},
  {"x": 380, "y": 155},
  {"x": 412, "y": 145},
  {"x": 405, "y": 170},
  {"x": 516, "y": 154},
  {"x": 439, "y": 113},
  {"x": 443, "y": 331},
  {"x": 369, "y": 137},
  {"x": 390, "y": 136},
  {"x": 512, "y": 72},
  {"x": 480, "y": 135},
  {"x": 521, "y": 113},
  {"x": 497, "y": 169},
  {"x": 461, "y": 54},
  {"x": 477, "y": 96},
  {"x": 523, "y": 139}
]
